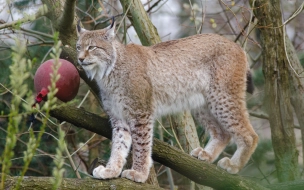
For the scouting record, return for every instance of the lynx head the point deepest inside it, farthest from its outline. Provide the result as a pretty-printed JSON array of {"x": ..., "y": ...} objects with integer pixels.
[{"x": 96, "y": 52}]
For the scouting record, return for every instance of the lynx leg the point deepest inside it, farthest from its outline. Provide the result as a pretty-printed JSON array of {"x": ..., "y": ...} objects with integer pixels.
[
  {"x": 142, "y": 136},
  {"x": 219, "y": 138},
  {"x": 233, "y": 117},
  {"x": 121, "y": 142}
]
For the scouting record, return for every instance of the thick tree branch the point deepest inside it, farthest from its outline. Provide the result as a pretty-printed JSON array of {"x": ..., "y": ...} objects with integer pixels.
[
  {"x": 198, "y": 171},
  {"x": 145, "y": 30},
  {"x": 70, "y": 183},
  {"x": 65, "y": 26},
  {"x": 62, "y": 15},
  {"x": 66, "y": 21}
]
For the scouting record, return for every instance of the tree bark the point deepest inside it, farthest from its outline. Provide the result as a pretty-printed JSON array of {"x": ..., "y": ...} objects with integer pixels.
[{"x": 277, "y": 92}]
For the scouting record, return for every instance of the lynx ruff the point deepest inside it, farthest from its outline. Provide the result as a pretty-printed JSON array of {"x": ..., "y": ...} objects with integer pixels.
[{"x": 205, "y": 73}]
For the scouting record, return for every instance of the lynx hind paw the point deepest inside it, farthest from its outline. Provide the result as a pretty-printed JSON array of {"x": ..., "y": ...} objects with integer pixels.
[
  {"x": 225, "y": 163},
  {"x": 201, "y": 154},
  {"x": 105, "y": 173},
  {"x": 134, "y": 176}
]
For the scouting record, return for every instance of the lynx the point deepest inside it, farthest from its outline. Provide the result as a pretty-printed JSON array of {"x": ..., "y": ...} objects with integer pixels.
[{"x": 204, "y": 73}]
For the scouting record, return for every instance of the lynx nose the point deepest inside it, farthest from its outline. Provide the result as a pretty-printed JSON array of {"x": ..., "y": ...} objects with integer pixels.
[{"x": 81, "y": 59}]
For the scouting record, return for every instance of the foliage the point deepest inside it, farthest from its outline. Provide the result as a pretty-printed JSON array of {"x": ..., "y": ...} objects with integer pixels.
[{"x": 18, "y": 75}]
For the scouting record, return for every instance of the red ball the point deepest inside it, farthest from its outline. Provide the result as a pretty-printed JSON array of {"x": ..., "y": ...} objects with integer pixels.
[{"x": 68, "y": 83}]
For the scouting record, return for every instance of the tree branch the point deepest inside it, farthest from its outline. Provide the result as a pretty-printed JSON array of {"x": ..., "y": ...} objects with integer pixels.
[
  {"x": 145, "y": 30},
  {"x": 264, "y": 116},
  {"x": 41, "y": 12},
  {"x": 194, "y": 169},
  {"x": 66, "y": 21},
  {"x": 70, "y": 183}
]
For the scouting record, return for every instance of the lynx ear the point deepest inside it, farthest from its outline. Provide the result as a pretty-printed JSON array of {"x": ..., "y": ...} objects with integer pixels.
[
  {"x": 110, "y": 34},
  {"x": 79, "y": 30}
]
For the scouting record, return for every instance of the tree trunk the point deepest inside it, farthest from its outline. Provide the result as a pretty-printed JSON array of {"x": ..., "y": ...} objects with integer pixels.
[
  {"x": 296, "y": 76},
  {"x": 277, "y": 92}
]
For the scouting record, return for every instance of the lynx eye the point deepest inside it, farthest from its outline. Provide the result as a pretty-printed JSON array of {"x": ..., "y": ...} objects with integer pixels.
[
  {"x": 91, "y": 48},
  {"x": 78, "y": 47}
]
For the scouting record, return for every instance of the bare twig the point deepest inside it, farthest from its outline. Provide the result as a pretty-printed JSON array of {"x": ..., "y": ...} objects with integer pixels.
[
  {"x": 264, "y": 116},
  {"x": 41, "y": 12},
  {"x": 154, "y": 5},
  {"x": 171, "y": 124},
  {"x": 203, "y": 16},
  {"x": 104, "y": 21},
  {"x": 193, "y": 15},
  {"x": 43, "y": 153},
  {"x": 37, "y": 33},
  {"x": 160, "y": 6}
]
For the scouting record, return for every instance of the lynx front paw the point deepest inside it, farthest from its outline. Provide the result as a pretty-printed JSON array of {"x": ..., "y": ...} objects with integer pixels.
[
  {"x": 227, "y": 165},
  {"x": 135, "y": 176},
  {"x": 105, "y": 173},
  {"x": 201, "y": 154}
]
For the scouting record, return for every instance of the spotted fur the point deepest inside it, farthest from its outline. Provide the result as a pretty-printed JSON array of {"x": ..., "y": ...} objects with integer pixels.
[{"x": 205, "y": 73}]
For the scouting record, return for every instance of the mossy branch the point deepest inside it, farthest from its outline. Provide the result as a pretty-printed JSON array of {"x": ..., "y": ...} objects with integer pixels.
[
  {"x": 71, "y": 184},
  {"x": 66, "y": 20},
  {"x": 144, "y": 28}
]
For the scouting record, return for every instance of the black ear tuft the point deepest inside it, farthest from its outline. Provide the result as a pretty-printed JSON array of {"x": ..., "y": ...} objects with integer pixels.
[
  {"x": 78, "y": 26},
  {"x": 113, "y": 21},
  {"x": 79, "y": 30},
  {"x": 250, "y": 86}
]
